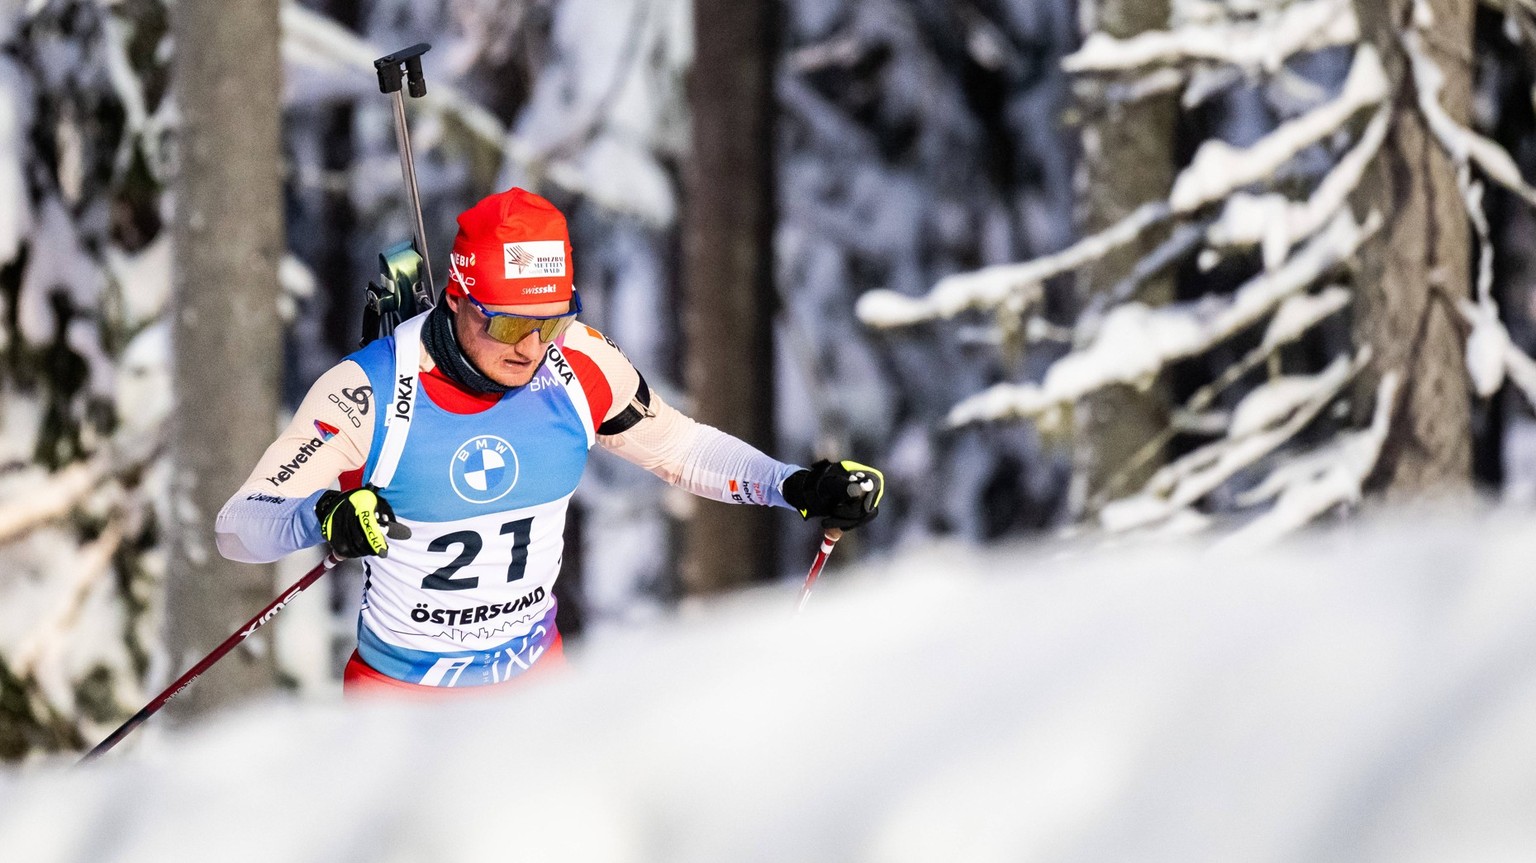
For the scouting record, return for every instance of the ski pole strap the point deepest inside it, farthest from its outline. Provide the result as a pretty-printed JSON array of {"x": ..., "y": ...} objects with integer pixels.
[{"x": 402, "y": 406}]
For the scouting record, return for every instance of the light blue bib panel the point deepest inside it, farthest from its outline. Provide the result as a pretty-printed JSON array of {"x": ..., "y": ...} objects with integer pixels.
[{"x": 468, "y": 598}]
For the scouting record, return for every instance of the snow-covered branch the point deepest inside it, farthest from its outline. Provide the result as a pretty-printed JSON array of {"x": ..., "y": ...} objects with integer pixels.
[
  {"x": 1264, "y": 420},
  {"x": 1313, "y": 484},
  {"x": 1217, "y": 171},
  {"x": 332, "y": 53},
  {"x": 993, "y": 286},
  {"x": 1461, "y": 143},
  {"x": 1136, "y": 342},
  {"x": 1265, "y": 43},
  {"x": 88, "y": 569},
  {"x": 1184, "y": 238},
  {"x": 50, "y": 499},
  {"x": 1275, "y": 224},
  {"x": 1295, "y": 317},
  {"x": 1492, "y": 354},
  {"x": 1300, "y": 313},
  {"x": 1219, "y": 168}
]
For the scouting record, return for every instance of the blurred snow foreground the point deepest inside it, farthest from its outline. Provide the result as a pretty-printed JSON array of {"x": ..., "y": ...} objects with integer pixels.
[{"x": 1366, "y": 695}]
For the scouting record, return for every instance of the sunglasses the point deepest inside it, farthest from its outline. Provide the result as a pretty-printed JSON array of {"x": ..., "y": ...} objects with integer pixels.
[{"x": 510, "y": 329}]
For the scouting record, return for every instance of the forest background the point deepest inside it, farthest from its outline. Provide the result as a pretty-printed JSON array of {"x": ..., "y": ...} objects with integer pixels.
[{"x": 1120, "y": 269}]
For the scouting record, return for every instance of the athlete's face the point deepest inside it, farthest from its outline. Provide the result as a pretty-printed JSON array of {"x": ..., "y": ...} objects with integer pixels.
[{"x": 508, "y": 365}]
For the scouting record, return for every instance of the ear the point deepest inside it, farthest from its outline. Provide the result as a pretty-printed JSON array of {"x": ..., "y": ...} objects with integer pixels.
[{"x": 453, "y": 300}]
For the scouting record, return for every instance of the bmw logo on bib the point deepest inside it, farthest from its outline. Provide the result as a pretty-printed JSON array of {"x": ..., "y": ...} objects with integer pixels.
[{"x": 484, "y": 469}]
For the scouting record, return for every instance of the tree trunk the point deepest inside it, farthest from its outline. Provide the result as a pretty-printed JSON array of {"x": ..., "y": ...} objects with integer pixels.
[
  {"x": 1127, "y": 160},
  {"x": 727, "y": 272},
  {"x": 1417, "y": 269},
  {"x": 228, "y": 238}
]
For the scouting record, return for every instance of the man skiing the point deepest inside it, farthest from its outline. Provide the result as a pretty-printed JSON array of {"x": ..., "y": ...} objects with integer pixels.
[{"x": 457, "y": 444}]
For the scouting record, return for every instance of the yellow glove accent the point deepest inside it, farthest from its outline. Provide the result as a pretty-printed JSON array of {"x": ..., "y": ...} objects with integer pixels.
[
  {"x": 879, "y": 483},
  {"x": 365, "y": 505}
]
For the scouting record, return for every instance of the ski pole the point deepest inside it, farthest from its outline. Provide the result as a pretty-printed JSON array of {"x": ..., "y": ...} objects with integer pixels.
[
  {"x": 391, "y": 69},
  {"x": 828, "y": 540},
  {"x": 218, "y": 653}
]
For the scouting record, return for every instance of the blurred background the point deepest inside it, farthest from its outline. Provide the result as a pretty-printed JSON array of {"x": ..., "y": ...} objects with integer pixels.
[{"x": 1113, "y": 270}]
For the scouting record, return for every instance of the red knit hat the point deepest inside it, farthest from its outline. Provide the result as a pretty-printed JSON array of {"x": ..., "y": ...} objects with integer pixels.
[{"x": 512, "y": 248}]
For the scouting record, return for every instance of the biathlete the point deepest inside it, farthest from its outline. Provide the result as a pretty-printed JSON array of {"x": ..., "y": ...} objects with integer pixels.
[{"x": 457, "y": 444}]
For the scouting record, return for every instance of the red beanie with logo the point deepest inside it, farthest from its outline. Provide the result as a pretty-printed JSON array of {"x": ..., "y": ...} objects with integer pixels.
[{"x": 512, "y": 249}]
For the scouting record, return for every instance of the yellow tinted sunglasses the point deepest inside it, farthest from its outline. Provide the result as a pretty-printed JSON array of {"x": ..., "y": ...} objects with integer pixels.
[{"x": 510, "y": 329}]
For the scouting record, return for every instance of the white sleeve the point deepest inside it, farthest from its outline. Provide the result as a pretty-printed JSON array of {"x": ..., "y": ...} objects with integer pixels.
[
  {"x": 273, "y": 513},
  {"x": 700, "y": 459},
  {"x": 256, "y": 527}
]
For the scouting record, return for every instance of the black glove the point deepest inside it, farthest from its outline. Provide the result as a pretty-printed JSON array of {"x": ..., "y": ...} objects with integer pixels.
[
  {"x": 356, "y": 522},
  {"x": 842, "y": 494}
]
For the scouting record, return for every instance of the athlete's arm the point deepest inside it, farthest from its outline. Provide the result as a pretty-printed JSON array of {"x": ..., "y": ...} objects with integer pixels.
[
  {"x": 700, "y": 458},
  {"x": 273, "y": 513},
  {"x": 637, "y": 425}
]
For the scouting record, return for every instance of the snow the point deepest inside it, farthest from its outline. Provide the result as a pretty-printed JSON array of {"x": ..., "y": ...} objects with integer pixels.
[
  {"x": 15, "y": 120},
  {"x": 1463, "y": 144},
  {"x": 998, "y": 284},
  {"x": 1135, "y": 341},
  {"x": 1276, "y": 224},
  {"x": 143, "y": 394},
  {"x": 1219, "y": 168},
  {"x": 141, "y": 281},
  {"x": 324, "y": 60},
  {"x": 1266, "y": 418},
  {"x": 1311, "y": 485},
  {"x": 329, "y": 62},
  {"x": 59, "y": 266},
  {"x": 1266, "y": 43},
  {"x": 610, "y": 105},
  {"x": 626, "y": 178},
  {"x": 1351, "y": 697},
  {"x": 56, "y": 629},
  {"x": 297, "y": 282},
  {"x": 1300, "y": 313},
  {"x": 49, "y": 496}
]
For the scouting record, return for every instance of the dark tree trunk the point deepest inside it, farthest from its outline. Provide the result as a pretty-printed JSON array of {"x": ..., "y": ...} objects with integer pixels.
[
  {"x": 333, "y": 267},
  {"x": 1416, "y": 270},
  {"x": 1127, "y": 160},
  {"x": 727, "y": 272},
  {"x": 228, "y": 239}
]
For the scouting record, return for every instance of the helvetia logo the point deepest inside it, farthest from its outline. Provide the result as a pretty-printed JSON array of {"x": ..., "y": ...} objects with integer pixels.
[
  {"x": 286, "y": 471},
  {"x": 325, "y": 430}
]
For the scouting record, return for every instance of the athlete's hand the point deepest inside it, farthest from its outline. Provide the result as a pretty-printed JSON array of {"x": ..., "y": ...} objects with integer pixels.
[
  {"x": 357, "y": 522},
  {"x": 842, "y": 494}
]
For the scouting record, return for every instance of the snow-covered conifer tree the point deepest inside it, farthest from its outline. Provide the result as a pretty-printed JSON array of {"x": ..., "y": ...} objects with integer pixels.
[
  {"x": 1359, "y": 197},
  {"x": 85, "y": 272}
]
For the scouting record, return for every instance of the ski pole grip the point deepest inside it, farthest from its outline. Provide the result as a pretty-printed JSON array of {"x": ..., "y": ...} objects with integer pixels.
[
  {"x": 404, "y": 64},
  {"x": 416, "y": 83}
]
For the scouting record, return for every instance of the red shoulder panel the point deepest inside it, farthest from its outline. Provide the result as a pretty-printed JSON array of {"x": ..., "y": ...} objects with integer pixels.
[{"x": 593, "y": 383}]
